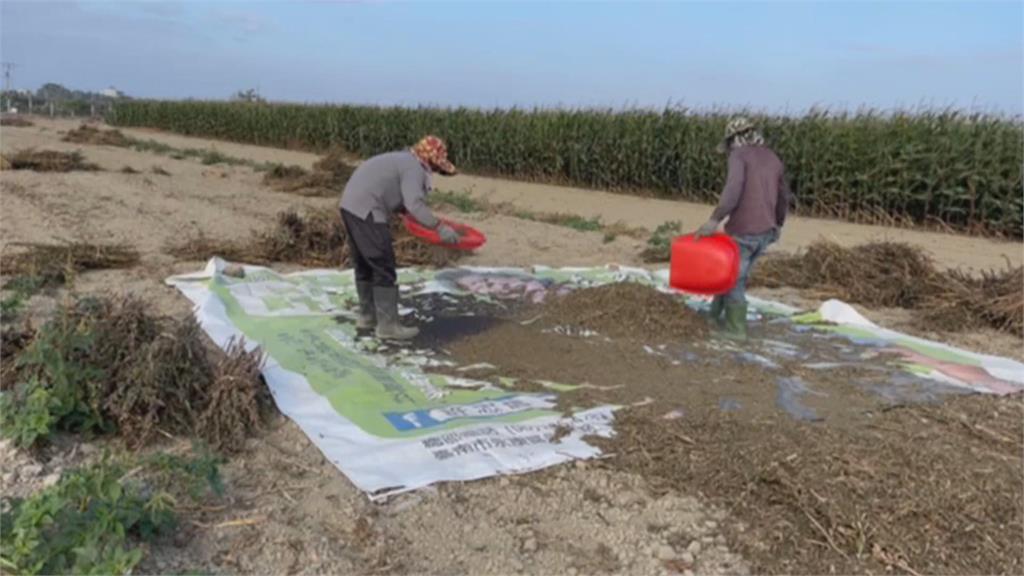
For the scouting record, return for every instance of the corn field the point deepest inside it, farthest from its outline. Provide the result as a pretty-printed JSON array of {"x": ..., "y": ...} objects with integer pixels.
[{"x": 949, "y": 169}]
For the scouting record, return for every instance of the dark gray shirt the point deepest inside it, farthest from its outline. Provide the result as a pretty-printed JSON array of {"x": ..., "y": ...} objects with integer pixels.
[
  {"x": 388, "y": 183},
  {"x": 756, "y": 194}
]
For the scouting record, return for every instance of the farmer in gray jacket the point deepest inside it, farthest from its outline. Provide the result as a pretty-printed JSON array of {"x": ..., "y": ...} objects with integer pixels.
[
  {"x": 755, "y": 201},
  {"x": 388, "y": 183}
]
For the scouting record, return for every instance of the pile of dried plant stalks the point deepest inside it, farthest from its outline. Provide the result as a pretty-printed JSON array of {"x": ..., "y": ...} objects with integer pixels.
[
  {"x": 86, "y": 134},
  {"x": 46, "y": 161},
  {"x": 18, "y": 121},
  {"x": 958, "y": 301},
  {"x": 894, "y": 274},
  {"x": 316, "y": 238},
  {"x": 335, "y": 163},
  {"x": 236, "y": 399},
  {"x": 328, "y": 177},
  {"x": 158, "y": 376},
  {"x": 52, "y": 264},
  {"x": 297, "y": 180}
]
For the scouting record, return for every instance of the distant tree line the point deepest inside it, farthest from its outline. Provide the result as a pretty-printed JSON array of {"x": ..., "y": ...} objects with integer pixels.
[{"x": 57, "y": 100}]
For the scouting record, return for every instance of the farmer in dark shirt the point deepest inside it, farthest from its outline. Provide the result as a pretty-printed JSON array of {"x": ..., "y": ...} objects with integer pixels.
[{"x": 754, "y": 204}]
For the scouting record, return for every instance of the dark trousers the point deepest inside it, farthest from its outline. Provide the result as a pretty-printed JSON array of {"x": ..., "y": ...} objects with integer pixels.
[{"x": 371, "y": 250}]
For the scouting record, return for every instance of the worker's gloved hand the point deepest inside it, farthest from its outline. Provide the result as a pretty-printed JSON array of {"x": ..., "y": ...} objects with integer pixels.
[
  {"x": 706, "y": 229},
  {"x": 448, "y": 234}
]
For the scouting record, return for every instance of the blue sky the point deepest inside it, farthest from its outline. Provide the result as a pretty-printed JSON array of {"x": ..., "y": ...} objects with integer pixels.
[{"x": 775, "y": 56}]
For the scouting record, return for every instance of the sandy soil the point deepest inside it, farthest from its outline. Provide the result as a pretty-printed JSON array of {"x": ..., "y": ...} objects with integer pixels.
[{"x": 309, "y": 519}]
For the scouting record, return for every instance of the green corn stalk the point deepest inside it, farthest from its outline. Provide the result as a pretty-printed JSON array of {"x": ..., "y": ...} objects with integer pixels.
[{"x": 963, "y": 171}]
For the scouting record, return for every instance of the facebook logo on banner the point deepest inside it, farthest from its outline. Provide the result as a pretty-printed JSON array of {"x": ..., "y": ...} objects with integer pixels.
[{"x": 430, "y": 418}]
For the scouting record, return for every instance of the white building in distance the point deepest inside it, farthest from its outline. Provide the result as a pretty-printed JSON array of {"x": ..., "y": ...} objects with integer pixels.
[{"x": 112, "y": 92}]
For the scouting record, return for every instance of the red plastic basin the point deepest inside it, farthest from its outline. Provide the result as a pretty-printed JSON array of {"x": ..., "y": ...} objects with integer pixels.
[
  {"x": 471, "y": 238},
  {"x": 706, "y": 266}
]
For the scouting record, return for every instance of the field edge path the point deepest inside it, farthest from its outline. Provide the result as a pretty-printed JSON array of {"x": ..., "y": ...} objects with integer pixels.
[{"x": 949, "y": 250}]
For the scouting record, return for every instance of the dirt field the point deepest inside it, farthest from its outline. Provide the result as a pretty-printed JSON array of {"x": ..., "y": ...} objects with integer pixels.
[{"x": 304, "y": 517}]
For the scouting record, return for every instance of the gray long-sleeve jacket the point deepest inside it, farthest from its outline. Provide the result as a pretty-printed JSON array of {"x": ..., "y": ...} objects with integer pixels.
[
  {"x": 756, "y": 194},
  {"x": 387, "y": 183}
]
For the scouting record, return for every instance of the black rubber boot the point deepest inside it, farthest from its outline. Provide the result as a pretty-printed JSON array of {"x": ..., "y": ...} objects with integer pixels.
[
  {"x": 367, "y": 317},
  {"x": 389, "y": 326}
]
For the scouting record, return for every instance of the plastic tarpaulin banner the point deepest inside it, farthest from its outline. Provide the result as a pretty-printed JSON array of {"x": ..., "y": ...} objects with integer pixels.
[
  {"x": 391, "y": 426},
  {"x": 384, "y": 422}
]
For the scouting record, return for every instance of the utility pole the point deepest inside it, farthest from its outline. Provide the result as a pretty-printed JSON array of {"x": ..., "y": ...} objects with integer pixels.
[{"x": 8, "y": 67}]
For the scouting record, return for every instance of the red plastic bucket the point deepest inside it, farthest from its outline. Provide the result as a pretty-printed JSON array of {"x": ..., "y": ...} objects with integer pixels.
[
  {"x": 471, "y": 238},
  {"x": 710, "y": 265}
]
